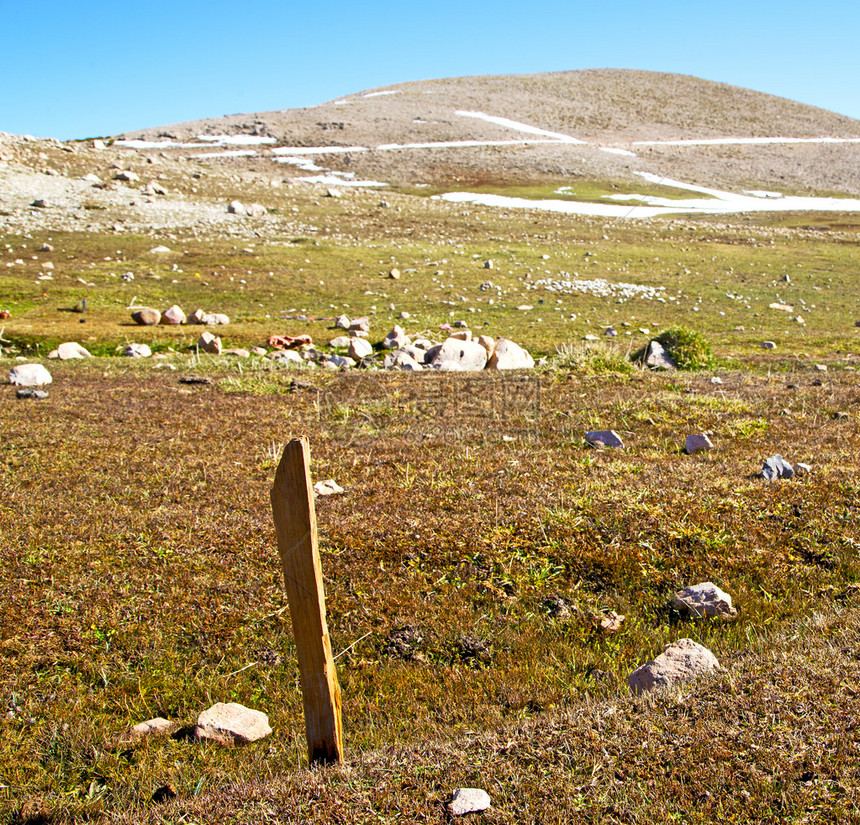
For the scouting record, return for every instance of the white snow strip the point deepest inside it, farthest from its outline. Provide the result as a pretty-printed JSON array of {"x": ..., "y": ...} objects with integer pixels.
[
  {"x": 762, "y": 141},
  {"x": 233, "y": 153},
  {"x": 762, "y": 193},
  {"x": 342, "y": 102},
  {"x": 457, "y": 144},
  {"x": 333, "y": 180},
  {"x": 519, "y": 127},
  {"x": 301, "y": 163},
  {"x": 237, "y": 140},
  {"x": 317, "y": 150},
  {"x": 613, "y": 151},
  {"x": 379, "y": 94}
]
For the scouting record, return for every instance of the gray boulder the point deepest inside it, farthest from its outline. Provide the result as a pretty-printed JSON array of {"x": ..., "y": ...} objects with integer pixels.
[
  {"x": 468, "y": 800},
  {"x": 359, "y": 348},
  {"x": 209, "y": 343},
  {"x": 776, "y": 467},
  {"x": 468, "y": 356},
  {"x": 70, "y": 350},
  {"x": 656, "y": 357},
  {"x": 146, "y": 317},
  {"x": 509, "y": 356},
  {"x": 232, "y": 724},
  {"x": 137, "y": 351},
  {"x": 698, "y": 443},
  {"x": 679, "y": 662},
  {"x": 705, "y": 599},
  {"x": 605, "y": 438}
]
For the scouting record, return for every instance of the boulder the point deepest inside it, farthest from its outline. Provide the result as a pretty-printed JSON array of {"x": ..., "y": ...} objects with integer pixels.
[
  {"x": 71, "y": 349},
  {"x": 329, "y": 487},
  {"x": 231, "y": 724},
  {"x": 656, "y": 357},
  {"x": 31, "y": 392},
  {"x": 342, "y": 322},
  {"x": 237, "y": 352},
  {"x": 359, "y": 348},
  {"x": 173, "y": 316},
  {"x": 697, "y": 443},
  {"x": 137, "y": 351},
  {"x": 360, "y": 324},
  {"x": 488, "y": 343},
  {"x": 468, "y": 356},
  {"x": 768, "y": 345},
  {"x": 146, "y": 317},
  {"x": 468, "y": 800},
  {"x": 236, "y": 208},
  {"x": 127, "y": 176},
  {"x": 256, "y": 210},
  {"x": 214, "y": 319},
  {"x": 196, "y": 317},
  {"x": 209, "y": 343},
  {"x": 679, "y": 662},
  {"x": 401, "y": 359},
  {"x": 395, "y": 339},
  {"x": 605, "y": 438},
  {"x": 705, "y": 599},
  {"x": 341, "y": 342},
  {"x": 159, "y": 726},
  {"x": 29, "y": 375},
  {"x": 776, "y": 467},
  {"x": 509, "y": 356},
  {"x": 285, "y": 356}
]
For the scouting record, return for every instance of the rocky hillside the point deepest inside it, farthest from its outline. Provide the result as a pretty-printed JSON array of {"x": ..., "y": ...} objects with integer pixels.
[{"x": 615, "y": 121}]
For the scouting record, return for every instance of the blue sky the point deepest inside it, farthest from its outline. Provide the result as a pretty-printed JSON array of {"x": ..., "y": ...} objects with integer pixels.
[{"x": 74, "y": 70}]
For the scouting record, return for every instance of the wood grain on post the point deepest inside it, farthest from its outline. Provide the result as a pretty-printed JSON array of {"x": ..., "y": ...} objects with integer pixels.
[{"x": 296, "y": 527}]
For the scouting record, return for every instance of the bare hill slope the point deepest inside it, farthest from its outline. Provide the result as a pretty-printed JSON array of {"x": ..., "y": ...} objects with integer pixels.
[{"x": 616, "y": 121}]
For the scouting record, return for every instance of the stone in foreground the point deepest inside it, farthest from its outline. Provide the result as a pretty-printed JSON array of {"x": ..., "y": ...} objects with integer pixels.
[
  {"x": 209, "y": 343},
  {"x": 173, "y": 316},
  {"x": 468, "y": 356},
  {"x": 656, "y": 357},
  {"x": 72, "y": 349},
  {"x": 159, "y": 726},
  {"x": 697, "y": 443},
  {"x": 29, "y": 375},
  {"x": 679, "y": 662},
  {"x": 705, "y": 599},
  {"x": 776, "y": 467},
  {"x": 231, "y": 724},
  {"x": 468, "y": 800},
  {"x": 508, "y": 355},
  {"x": 146, "y": 317},
  {"x": 608, "y": 438},
  {"x": 329, "y": 487}
]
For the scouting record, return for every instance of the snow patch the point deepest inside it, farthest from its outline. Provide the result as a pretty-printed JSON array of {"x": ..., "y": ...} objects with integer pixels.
[
  {"x": 379, "y": 94},
  {"x": 335, "y": 180},
  {"x": 317, "y": 150},
  {"x": 237, "y": 140},
  {"x": 233, "y": 153},
  {"x": 613, "y": 151},
  {"x": 762, "y": 141},
  {"x": 519, "y": 127}
]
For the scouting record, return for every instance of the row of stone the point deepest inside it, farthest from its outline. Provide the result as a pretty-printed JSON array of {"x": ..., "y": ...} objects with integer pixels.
[{"x": 174, "y": 316}]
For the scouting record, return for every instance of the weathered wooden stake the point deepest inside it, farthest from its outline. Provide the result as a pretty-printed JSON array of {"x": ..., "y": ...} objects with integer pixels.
[{"x": 296, "y": 527}]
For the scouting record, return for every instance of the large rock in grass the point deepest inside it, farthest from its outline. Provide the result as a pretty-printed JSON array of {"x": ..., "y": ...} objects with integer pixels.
[
  {"x": 508, "y": 355},
  {"x": 69, "y": 350},
  {"x": 231, "y": 724},
  {"x": 656, "y": 357},
  {"x": 137, "y": 351},
  {"x": 173, "y": 316},
  {"x": 705, "y": 599},
  {"x": 214, "y": 319},
  {"x": 776, "y": 467},
  {"x": 146, "y": 317},
  {"x": 209, "y": 343},
  {"x": 468, "y": 800},
  {"x": 29, "y": 375},
  {"x": 359, "y": 348},
  {"x": 604, "y": 438},
  {"x": 679, "y": 662},
  {"x": 453, "y": 354}
]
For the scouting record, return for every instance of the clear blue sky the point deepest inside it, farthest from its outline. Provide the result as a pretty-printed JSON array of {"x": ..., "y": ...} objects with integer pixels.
[{"x": 80, "y": 69}]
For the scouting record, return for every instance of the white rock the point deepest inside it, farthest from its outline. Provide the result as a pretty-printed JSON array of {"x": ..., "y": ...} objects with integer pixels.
[
  {"x": 29, "y": 375},
  {"x": 656, "y": 357},
  {"x": 705, "y": 599},
  {"x": 342, "y": 322},
  {"x": 509, "y": 356},
  {"x": 232, "y": 724},
  {"x": 285, "y": 356},
  {"x": 396, "y": 338},
  {"x": 768, "y": 345},
  {"x": 196, "y": 317},
  {"x": 608, "y": 438},
  {"x": 469, "y": 356},
  {"x": 159, "y": 726},
  {"x": 776, "y": 467},
  {"x": 137, "y": 351},
  {"x": 341, "y": 342},
  {"x": 487, "y": 343},
  {"x": 697, "y": 443},
  {"x": 71, "y": 349},
  {"x": 127, "y": 175},
  {"x": 236, "y": 208},
  {"x": 802, "y": 469},
  {"x": 679, "y": 661},
  {"x": 214, "y": 319},
  {"x": 256, "y": 210},
  {"x": 158, "y": 250},
  {"x": 401, "y": 359},
  {"x": 329, "y": 487},
  {"x": 237, "y": 352},
  {"x": 468, "y": 800},
  {"x": 209, "y": 343}
]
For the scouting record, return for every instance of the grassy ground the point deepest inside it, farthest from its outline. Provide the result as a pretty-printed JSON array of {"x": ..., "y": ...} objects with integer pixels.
[{"x": 138, "y": 554}]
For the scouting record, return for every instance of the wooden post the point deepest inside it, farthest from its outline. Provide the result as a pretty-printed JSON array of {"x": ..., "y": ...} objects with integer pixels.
[{"x": 296, "y": 527}]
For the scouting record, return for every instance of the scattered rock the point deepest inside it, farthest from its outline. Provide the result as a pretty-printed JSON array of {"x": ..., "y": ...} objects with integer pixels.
[
  {"x": 605, "y": 438},
  {"x": 656, "y": 357},
  {"x": 509, "y": 356},
  {"x": 159, "y": 250},
  {"x": 359, "y": 348},
  {"x": 402, "y": 359},
  {"x": 768, "y": 345},
  {"x": 236, "y": 208},
  {"x": 146, "y": 317},
  {"x": 716, "y": 379},
  {"x": 705, "y": 599},
  {"x": 468, "y": 800},
  {"x": 237, "y": 352},
  {"x": 395, "y": 339},
  {"x": 214, "y": 319},
  {"x": 209, "y": 343},
  {"x": 360, "y": 324},
  {"x": 285, "y": 356},
  {"x": 159, "y": 726},
  {"x": 697, "y": 443},
  {"x": 289, "y": 341},
  {"x": 776, "y": 467},
  {"x": 40, "y": 203},
  {"x": 341, "y": 342},
  {"x": 231, "y": 724},
  {"x": 29, "y": 375},
  {"x": 32, "y": 392},
  {"x": 329, "y": 487},
  {"x": 821, "y": 367},
  {"x": 781, "y": 307},
  {"x": 256, "y": 210},
  {"x": 394, "y": 274},
  {"x": 71, "y": 349},
  {"x": 137, "y": 351},
  {"x": 173, "y": 316},
  {"x": 468, "y": 356},
  {"x": 488, "y": 343},
  {"x": 46, "y": 247},
  {"x": 461, "y": 335},
  {"x": 679, "y": 661},
  {"x": 127, "y": 176},
  {"x": 153, "y": 188},
  {"x": 801, "y": 469},
  {"x": 342, "y": 322}
]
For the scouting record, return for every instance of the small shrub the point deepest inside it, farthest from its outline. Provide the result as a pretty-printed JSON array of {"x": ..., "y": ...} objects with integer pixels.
[
  {"x": 590, "y": 358},
  {"x": 688, "y": 349}
]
